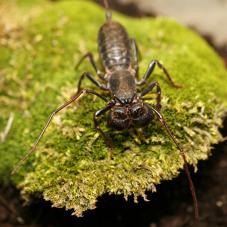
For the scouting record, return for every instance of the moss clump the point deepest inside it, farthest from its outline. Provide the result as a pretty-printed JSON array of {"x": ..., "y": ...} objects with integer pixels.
[{"x": 71, "y": 166}]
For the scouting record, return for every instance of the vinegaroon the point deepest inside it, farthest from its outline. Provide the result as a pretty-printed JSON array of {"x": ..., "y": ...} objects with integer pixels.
[{"x": 127, "y": 109}]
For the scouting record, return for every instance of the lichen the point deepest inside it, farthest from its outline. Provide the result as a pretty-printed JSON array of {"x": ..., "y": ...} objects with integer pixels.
[{"x": 71, "y": 167}]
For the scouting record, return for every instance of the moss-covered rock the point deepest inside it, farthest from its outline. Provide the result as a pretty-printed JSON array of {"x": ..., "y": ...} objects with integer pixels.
[{"x": 71, "y": 167}]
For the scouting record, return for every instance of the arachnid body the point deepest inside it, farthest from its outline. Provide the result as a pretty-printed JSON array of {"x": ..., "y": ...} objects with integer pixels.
[{"x": 126, "y": 107}]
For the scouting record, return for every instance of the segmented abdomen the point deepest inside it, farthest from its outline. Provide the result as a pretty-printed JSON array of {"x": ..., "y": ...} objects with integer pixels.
[{"x": 114, "y": 46}]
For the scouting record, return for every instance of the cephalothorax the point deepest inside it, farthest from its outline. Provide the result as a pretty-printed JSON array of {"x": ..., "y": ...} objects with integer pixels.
[{"x": 126, "y": 108}]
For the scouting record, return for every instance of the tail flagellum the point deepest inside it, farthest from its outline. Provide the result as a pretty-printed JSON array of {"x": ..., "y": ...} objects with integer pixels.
[{"x": 108, "y": 11}]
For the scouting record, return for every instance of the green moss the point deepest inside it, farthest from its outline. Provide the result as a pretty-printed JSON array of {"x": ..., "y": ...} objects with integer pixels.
[{"x": 71, "y": 167}]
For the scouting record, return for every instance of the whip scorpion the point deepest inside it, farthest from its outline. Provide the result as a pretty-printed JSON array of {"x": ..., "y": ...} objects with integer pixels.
[{"x": 126, "y": 108}]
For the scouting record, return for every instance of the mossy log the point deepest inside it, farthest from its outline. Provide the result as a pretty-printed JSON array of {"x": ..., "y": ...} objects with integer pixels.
[{"x": 71, "y": 167}]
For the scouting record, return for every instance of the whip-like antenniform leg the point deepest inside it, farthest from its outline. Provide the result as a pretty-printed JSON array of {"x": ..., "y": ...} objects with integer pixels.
[
  {"x": 73, "y": 99},
  {"x": 186, "y": 169}
]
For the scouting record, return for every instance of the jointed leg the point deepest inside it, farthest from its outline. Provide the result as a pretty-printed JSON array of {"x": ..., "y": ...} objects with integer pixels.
[
  {"x": 92, "y": 79},
  {"x": 158, "y": 93},
  {"x": 151, "y": 69},
  {"x": 186, "y": 169},
  {"x": 33, "y": 148},
  {"x": 92, "y": 61},
  {"x": 97, "y": 126}
]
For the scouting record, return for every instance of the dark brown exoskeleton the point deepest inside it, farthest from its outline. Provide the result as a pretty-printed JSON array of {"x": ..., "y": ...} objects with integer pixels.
[{"x": 127, "y": 108}]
